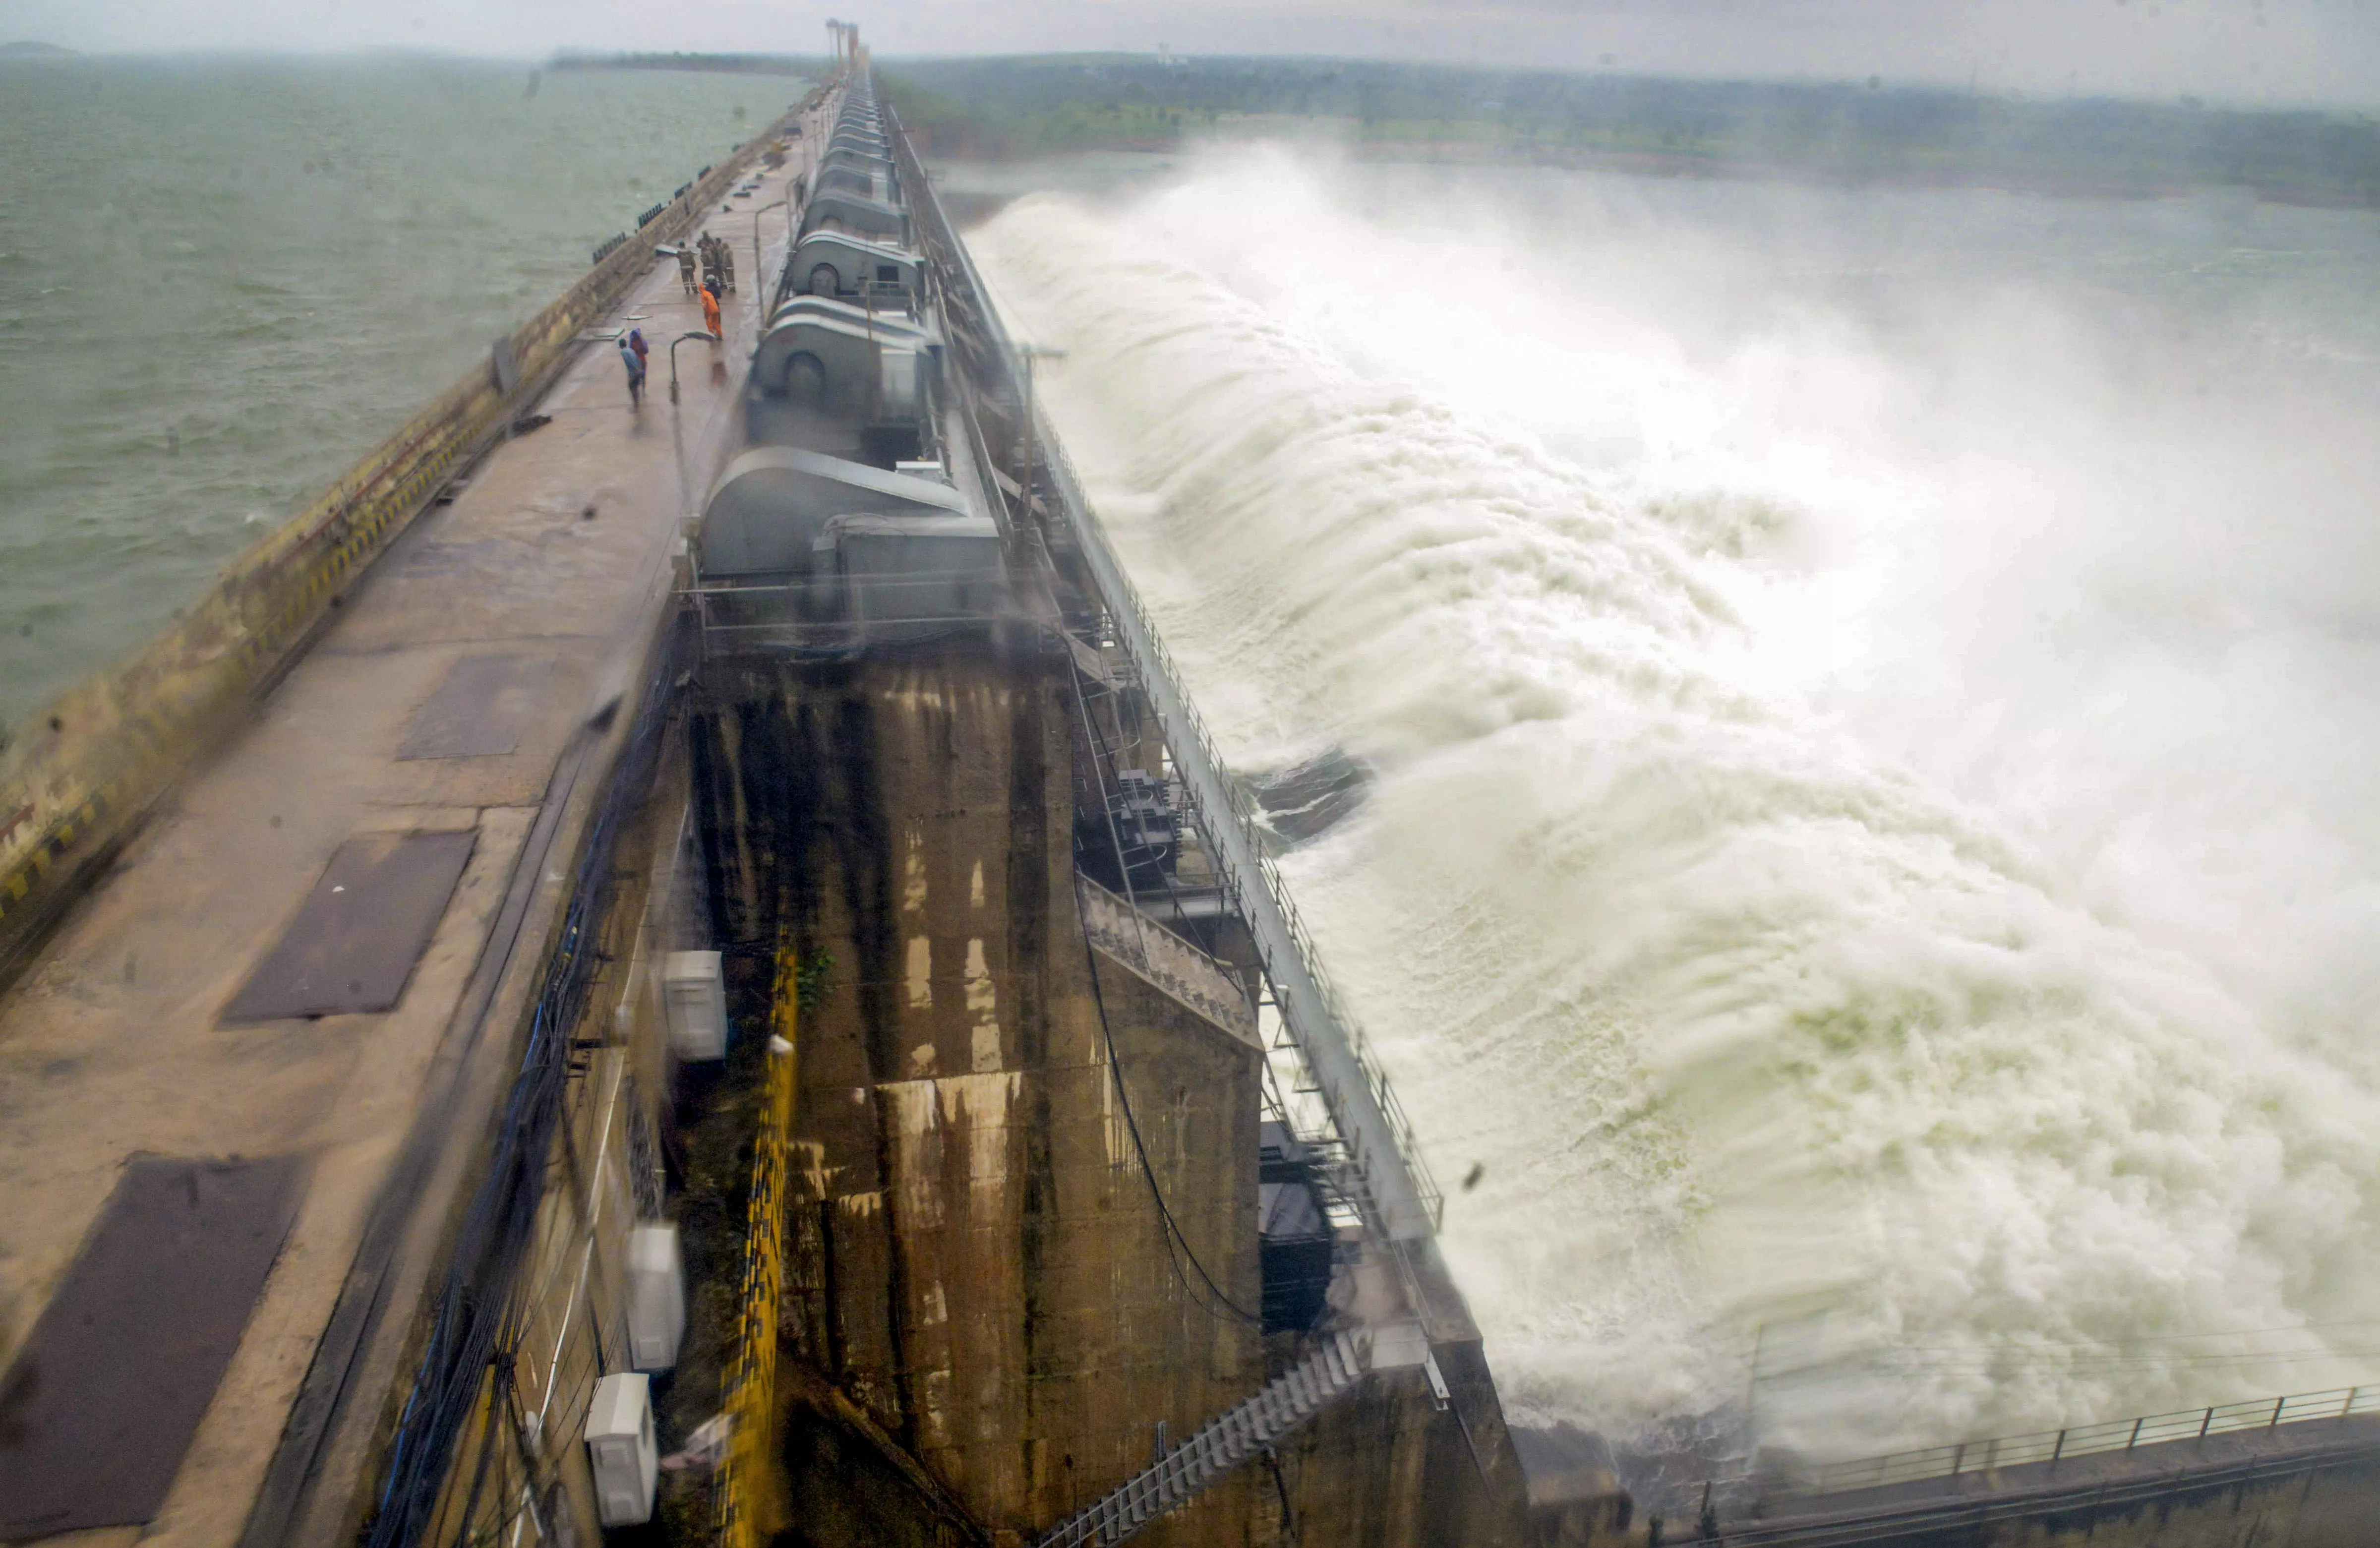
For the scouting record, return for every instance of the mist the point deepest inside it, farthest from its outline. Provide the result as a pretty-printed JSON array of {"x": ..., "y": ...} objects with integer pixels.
[
  {"x": 1874, "y": 846},
  {"x": 2273, "y": 52}
]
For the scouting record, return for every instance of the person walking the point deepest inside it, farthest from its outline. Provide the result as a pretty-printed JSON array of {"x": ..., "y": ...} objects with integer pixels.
[
  {"x": 636, "y": 342},
  {"x": 711, "y": 311},
  {"x": 685, "y": 269},
  {"x": 636, "y": 364}
]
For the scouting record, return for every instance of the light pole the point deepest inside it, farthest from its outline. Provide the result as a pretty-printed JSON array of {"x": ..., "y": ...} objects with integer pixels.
[
  {"x": 797, "y": 195},
  {"x": 785, "y": 204},
  {"x": 1030, "y": 353},
  {"x": 709, "y": 337}
]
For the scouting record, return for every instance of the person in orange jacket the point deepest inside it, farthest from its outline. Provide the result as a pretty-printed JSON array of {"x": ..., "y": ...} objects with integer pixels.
[{"x": 710, "y": 313}]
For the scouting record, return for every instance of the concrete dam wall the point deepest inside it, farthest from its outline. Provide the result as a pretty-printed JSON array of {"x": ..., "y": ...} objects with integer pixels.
[
  {"x": 1024, "y": 1231},
  {"x": 977, "y": 1260}
]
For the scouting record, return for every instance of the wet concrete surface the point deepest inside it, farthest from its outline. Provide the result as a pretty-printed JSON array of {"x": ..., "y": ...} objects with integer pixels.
[
  {"x": 358, "y": 933},
  {"x": 115, "y": 1044},
  {"x": 99, "y": 1407}
]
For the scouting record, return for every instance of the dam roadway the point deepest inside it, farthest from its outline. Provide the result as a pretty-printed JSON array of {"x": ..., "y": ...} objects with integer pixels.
[{"x": 517, "y": 612}]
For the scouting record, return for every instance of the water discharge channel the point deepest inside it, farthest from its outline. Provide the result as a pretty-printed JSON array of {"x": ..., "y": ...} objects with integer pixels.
[{"x": 1868, "y": 863}]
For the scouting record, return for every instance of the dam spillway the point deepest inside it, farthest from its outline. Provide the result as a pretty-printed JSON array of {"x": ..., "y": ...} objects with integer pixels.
[
  {"x": 1768, "y": 1046},
  {"x": 829, "y": 1055}
]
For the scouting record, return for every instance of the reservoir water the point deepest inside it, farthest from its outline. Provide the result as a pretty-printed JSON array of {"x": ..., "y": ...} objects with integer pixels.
[
  {"x": 1874, "y": 855},
  {"x": 222, "y": 280}
]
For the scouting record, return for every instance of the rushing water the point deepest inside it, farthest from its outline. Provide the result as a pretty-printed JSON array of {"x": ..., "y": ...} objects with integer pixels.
[
  {"x": 1874, "y": 853},
  {"x": 222, "y": 280}
]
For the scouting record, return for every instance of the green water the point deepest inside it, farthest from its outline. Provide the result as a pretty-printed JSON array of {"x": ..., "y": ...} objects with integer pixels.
[{"x": 222, "y": 280}]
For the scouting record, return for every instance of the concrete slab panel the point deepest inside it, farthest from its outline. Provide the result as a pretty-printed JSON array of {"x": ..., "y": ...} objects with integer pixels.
[
  {"x": 354, "y": 942},
  {"x": 481, "y": 709},
  {"x": 100, "y": 1406}
]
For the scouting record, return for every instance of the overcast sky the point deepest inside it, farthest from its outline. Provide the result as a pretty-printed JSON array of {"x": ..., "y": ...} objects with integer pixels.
[{"x": 2273, "y": 51}]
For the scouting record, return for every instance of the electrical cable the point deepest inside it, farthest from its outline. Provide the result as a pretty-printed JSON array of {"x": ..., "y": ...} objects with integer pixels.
[
  {"x": 1115, "y": 1066},
  {"x": 473, "y": 1322},
  {"x": 1132, "y": 1125}
]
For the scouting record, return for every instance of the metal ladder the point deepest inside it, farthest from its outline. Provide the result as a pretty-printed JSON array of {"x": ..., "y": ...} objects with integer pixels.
[{"x": 1225, "y": 1442}]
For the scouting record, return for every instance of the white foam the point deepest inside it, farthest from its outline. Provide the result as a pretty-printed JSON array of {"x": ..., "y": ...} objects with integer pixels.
[{"x": 1805, "y": 874}]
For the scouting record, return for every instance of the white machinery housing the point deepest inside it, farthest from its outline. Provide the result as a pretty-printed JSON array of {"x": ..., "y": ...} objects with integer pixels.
[
  {"x": 695, "y": 996},
  {"x": 838, "y": 263},
  {"x": 840, "y": 209},
  {"x": 620, "y": 1447},
  {"x": 656, "y": 1296}
]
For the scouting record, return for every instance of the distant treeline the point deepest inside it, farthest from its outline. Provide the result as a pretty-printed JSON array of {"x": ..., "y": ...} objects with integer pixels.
[
  {"x": 725, "y": 64},
  {"x": 1851, "y": 132}
]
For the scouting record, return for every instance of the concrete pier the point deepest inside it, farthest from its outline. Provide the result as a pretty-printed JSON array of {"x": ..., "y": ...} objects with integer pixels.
[
  {"x": 976, "y": 1254},
  {"x": 516, "y": 617}
]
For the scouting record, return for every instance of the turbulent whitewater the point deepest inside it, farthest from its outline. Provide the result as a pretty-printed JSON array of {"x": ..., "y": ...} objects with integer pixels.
[{"x": 1872, "y": 854}]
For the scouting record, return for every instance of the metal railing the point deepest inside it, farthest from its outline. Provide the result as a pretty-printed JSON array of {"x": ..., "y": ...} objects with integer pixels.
[
  {"x": 1406, "y": 1200},
  {"x": 1117, "y": 926},
  {"x": 749, "y": 1389},
  {"x": 2050, "y": 1447},
  {"x": 1185, "y": 730},
  {"x": 1223, "y": 1443}
]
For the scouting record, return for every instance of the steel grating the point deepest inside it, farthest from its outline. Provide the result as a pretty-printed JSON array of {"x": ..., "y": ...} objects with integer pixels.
[
  {"x": 356, "y": 938},
  {"x": 101, "y": 1405}
]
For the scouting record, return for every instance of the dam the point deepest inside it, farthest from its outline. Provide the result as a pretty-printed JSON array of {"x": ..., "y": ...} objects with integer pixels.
[{"x": 690, "y": 971}]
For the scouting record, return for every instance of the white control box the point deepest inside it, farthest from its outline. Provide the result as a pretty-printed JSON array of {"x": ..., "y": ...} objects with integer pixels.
[
  {"x": 656, "y": 1296},
  {"x": 619, "y": 1445},
  {"x": 696, "y": 998}
]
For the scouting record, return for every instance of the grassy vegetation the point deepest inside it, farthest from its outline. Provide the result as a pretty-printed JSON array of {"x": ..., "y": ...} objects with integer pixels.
[
  {"x": 728, "y": 64},
  {"x": 1851, "y": 131}
]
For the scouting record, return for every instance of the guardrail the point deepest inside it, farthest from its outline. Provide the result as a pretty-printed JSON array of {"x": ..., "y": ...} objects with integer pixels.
[
  {"x": 2046, "y": 1448},
  {"x": 749, "y": 1388},
  {"x": 1187, "y": 731},
  {"x": 2086, "y": 1440},
  {"x": 1400, "y": 1195},
  {"x": 81, "y": 771}
]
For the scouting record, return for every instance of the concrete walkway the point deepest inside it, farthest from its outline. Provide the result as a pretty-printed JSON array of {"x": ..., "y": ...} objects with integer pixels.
[{"x": 557, "y": 552}]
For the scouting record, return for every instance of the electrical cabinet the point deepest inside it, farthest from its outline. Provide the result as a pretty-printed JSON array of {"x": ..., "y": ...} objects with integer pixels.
[
  {"x": 656, "y": 1296},
  {"x": 696, "y": 998},
  {"x": 619, "y": 1445}
]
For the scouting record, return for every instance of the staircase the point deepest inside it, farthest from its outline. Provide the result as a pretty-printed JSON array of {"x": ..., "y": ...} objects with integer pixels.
[{"x": 1225, "y": 1442}]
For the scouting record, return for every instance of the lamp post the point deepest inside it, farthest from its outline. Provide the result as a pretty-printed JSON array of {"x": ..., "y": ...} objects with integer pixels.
[
  {"x": 785, "y": 204},
  {"x": 1029, "y": 353},
  {"x": 708, "y": 337}
]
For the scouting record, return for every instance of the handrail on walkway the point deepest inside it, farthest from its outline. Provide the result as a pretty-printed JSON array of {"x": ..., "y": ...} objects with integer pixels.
[
  {"x": 1403, "y": 1201},
  {"x": 2053, "y": 1446}
]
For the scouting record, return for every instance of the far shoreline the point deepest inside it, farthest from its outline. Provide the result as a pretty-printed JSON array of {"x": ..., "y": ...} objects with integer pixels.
[{"x": 1656, "y": 163}]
